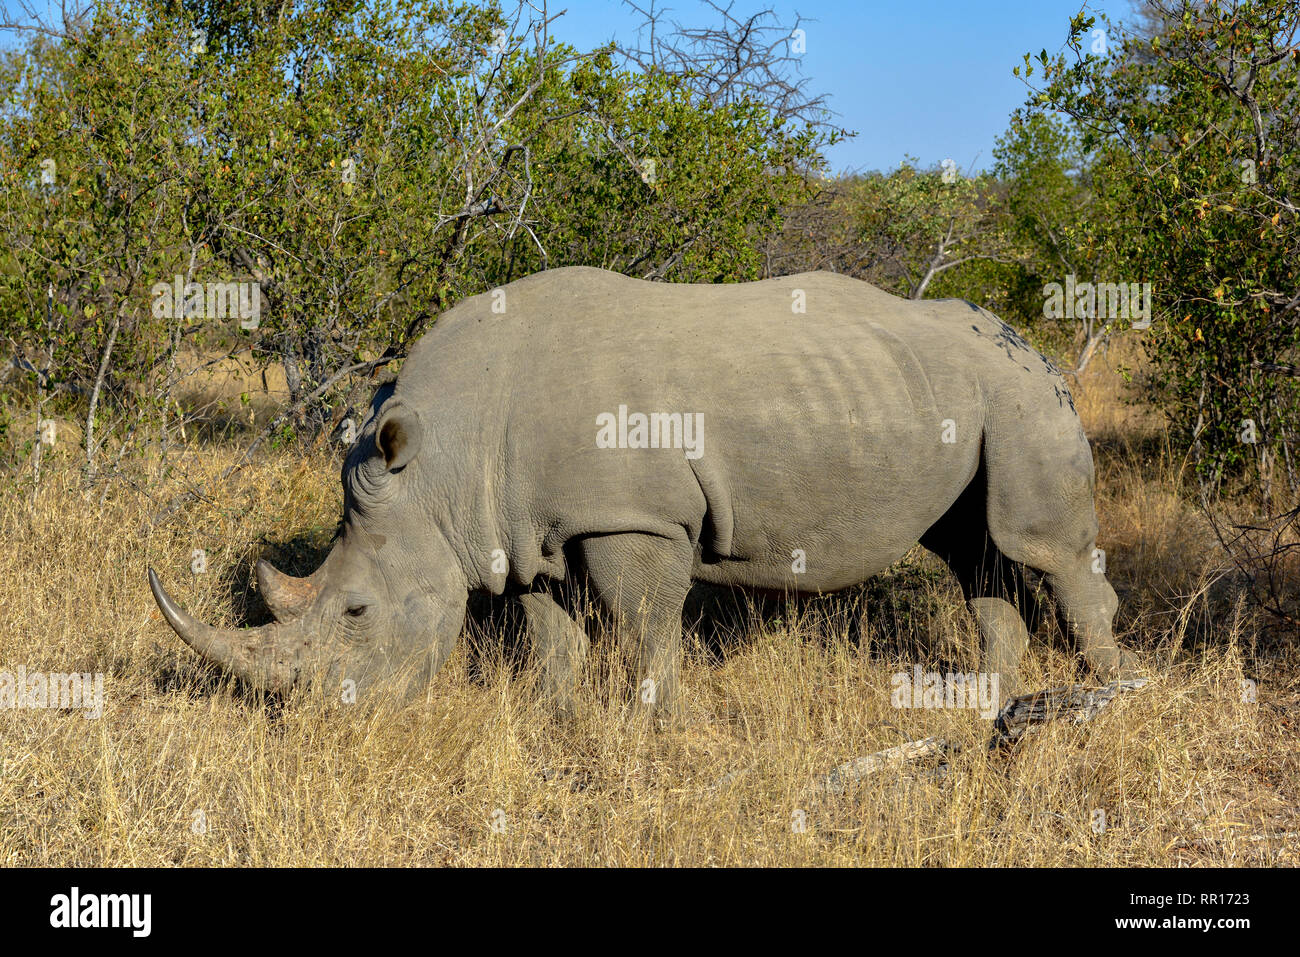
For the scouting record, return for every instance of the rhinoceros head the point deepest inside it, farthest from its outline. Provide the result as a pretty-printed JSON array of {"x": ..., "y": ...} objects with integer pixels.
[{"x": 383, "y": 611}]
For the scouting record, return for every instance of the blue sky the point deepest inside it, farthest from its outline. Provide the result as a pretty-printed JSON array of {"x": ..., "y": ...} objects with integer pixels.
[{"x": 931, "y": 80}]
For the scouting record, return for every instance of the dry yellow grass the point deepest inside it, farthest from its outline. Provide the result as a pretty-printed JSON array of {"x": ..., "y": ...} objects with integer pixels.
[{"x": 184, "y": 769}]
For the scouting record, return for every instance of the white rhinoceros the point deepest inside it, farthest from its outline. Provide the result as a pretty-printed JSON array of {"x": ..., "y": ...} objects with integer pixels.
[{"x": 796, "y": 434}]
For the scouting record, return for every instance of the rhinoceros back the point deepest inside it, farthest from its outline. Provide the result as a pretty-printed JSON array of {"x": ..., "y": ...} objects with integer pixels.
[{"x": 812, "y": 415}]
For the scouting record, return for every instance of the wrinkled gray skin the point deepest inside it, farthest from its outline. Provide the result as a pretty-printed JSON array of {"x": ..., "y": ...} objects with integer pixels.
[{"x": 844, "y": 434}]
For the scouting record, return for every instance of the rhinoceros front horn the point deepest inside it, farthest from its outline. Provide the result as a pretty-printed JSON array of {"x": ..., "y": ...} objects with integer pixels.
[
  {"x": 287, "y": 597},
  {"x": 269, "y": 657}
]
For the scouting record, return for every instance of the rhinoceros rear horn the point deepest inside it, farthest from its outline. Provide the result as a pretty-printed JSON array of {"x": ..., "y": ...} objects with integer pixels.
[
  {"x": 269, "y": 657},
  {"x": 398, "y": 435},
  {"x": 286, "y": 596}
]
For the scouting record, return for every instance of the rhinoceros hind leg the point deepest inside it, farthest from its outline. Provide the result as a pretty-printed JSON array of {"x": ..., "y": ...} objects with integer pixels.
[
  {"x": 641, "y": 581},
  {"x": 558, "y": 646},
  {"x": 1005, "y": 638},
  {"x": 1041, "y": 513},
  {"x": 1005, "y": 609},
  {"x": 1087, "y": 605}
]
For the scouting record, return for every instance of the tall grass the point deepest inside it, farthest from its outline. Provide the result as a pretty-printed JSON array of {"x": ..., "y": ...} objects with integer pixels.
[{"x": 184, "y": 768}]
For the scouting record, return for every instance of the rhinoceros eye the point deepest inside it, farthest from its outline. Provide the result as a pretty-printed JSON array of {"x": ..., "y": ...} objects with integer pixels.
[{"x": 356, "y": 611}]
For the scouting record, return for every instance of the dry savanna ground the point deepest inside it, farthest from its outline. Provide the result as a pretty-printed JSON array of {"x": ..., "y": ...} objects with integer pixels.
[{"x": 185, "y": 768}]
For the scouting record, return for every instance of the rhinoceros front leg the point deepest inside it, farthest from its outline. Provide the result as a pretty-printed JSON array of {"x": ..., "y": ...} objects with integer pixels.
[
  {"x": 642, "y": 581},
  {"x": 558, "y": 646}
]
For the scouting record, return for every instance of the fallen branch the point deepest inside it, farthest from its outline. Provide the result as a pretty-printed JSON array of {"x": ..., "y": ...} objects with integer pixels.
[
  {"x": 1015, "y": 718},
  {"x": 853, "y": 771},
  {"x": 1084, "y": 703}
]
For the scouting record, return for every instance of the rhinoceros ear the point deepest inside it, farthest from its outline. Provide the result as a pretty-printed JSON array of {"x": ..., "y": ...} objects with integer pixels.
[{"x": 398, "y": 435}]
